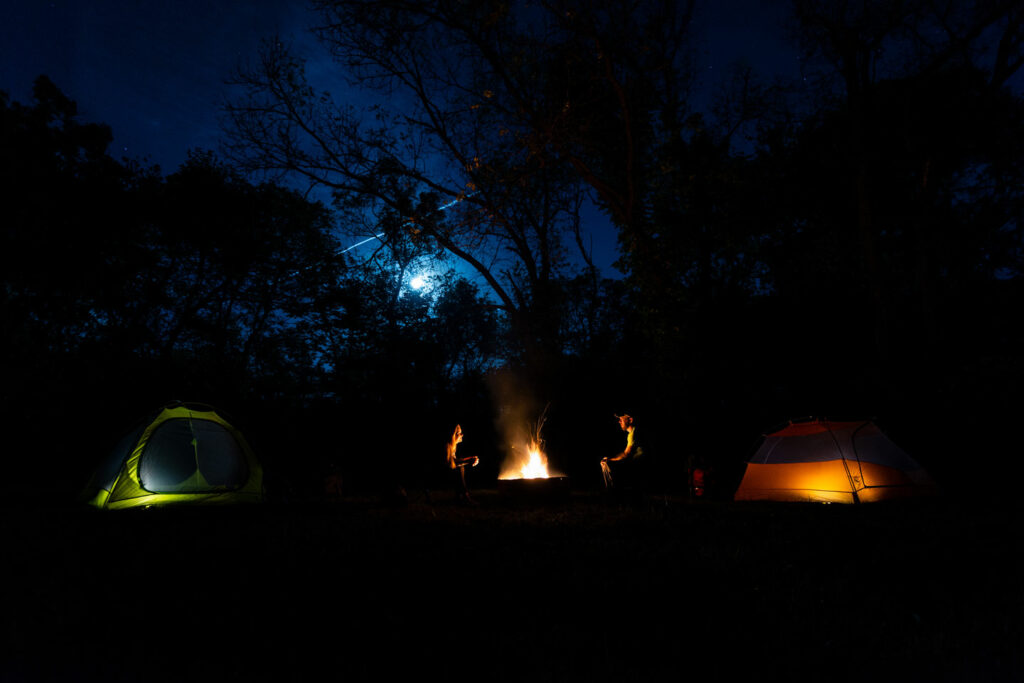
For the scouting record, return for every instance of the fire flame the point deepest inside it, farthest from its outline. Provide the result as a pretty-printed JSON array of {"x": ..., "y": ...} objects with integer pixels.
[
  {"x": 535, "y": 467},
  {"x": 532, "y": 465},
  {"x": 526, "y": 458}
]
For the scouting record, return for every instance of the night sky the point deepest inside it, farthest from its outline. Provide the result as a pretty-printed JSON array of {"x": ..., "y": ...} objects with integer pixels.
[{"x": 155, "y": 71}]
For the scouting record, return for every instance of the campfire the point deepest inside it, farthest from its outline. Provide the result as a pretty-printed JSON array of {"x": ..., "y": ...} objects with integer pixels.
[
  {"x": 528, "y": 462},
  {"x": 526, "y": 458},
  {"x": 525, "y": 473}
]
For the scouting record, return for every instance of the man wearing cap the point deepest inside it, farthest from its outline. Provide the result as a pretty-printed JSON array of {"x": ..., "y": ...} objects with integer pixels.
[{"x": 625, "y": 462}]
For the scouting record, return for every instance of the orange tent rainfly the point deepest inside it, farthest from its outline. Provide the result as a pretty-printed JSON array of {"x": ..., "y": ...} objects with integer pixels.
[{"x": 832, "y": 462}]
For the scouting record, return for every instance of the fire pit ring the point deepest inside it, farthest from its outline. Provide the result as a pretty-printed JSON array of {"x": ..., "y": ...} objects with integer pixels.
[{"x": 541, "y": 490}]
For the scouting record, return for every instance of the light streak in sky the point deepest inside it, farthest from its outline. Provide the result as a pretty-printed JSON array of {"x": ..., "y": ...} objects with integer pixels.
[
  {"x": 407, "y": 222},
  {"x": 359, "y": 244},
  {"x": 381, "y": 234}
]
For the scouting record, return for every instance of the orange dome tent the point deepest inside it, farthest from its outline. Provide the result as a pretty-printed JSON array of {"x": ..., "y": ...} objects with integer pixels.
[{"x": 831, "y": 462}]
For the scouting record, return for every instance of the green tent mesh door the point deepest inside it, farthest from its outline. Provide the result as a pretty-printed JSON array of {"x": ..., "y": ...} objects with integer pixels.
[{"x": 189, "y": 456}]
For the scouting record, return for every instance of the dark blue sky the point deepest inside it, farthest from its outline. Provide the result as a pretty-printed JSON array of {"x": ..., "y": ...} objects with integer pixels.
[{"x": 155, "y": 70}]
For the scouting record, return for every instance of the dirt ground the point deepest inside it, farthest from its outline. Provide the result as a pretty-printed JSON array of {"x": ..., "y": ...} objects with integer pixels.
[{"x": 655, "y": 588}]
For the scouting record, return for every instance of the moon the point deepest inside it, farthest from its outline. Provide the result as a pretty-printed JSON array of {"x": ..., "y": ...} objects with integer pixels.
[{"x": 418, "y": 282}]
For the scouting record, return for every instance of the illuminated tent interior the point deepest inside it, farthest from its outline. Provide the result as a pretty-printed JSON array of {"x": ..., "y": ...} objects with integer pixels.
[
  {"x": 185, "y": 453},
  {"x": 831, "y": 462}
]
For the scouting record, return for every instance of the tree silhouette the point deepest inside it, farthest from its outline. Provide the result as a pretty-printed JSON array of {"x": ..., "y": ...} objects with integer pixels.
[{"x": 505, "y": 114}]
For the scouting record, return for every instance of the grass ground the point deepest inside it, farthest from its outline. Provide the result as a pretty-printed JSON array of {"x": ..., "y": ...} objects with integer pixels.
[{"x": 587, "y": 589}]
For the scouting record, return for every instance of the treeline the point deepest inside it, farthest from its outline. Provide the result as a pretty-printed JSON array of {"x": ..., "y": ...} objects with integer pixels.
[
  {"x": 846, "y": 245},
  {"x": 124, "y": 289}
]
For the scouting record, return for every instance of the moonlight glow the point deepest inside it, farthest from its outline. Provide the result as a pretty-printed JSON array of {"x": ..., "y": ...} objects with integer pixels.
[{"x": 418, "y": 282}]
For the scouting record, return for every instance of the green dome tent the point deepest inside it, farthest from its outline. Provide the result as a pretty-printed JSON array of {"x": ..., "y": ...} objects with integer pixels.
[{"x": 185, "y": 453}]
